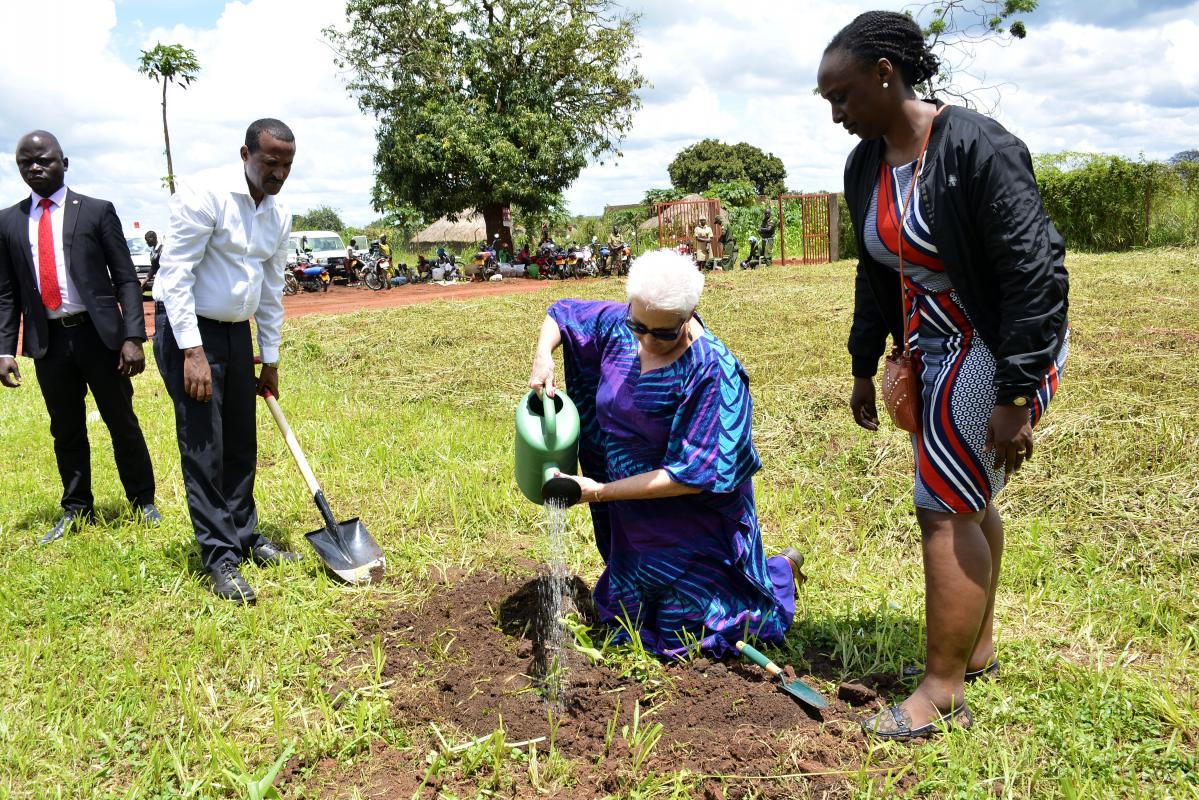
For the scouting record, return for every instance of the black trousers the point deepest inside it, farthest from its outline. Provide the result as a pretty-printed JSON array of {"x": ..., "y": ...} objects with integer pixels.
[
  {"x": 77, "y": 360},
  {"x": 218, "y": 440}
]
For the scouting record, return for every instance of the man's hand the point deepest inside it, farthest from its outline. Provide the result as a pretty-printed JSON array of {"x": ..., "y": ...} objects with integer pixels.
[
  {"x": 10, "y": 376},
  {"x": 133, "y": 359},
  {"x": 864, "y": 404},
  {"x": 268, "y": 380},
  {"x": 197, "y": 375},
  {"x": 1009, "y": 435}
]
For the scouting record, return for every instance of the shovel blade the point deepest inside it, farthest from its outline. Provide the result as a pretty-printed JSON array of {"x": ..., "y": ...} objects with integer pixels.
[
  {"x": 349, "y": 551},
  {"x": 804, "y": 693}
]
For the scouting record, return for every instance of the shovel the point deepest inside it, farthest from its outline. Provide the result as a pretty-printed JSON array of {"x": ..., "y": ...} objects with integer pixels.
[
  {"x": 797, "y": 688},
  {"x": 346, "y": 549}
]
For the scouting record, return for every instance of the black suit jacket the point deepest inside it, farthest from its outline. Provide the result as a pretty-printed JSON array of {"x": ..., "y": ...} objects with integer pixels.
[{"x": 97, "y": 259}]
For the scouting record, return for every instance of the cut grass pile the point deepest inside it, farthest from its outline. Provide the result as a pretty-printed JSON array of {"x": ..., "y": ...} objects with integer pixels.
[{"x": 121, "y": 676}]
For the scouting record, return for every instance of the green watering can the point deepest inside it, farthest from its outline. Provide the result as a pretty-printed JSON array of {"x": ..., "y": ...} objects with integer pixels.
[{"x": 547, "y": 441}]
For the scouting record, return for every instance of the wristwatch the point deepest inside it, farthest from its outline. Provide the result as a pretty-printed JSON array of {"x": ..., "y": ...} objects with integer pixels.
[
  {"x": 1019, "y": 402},
  {"x": 275, "y": 365}
]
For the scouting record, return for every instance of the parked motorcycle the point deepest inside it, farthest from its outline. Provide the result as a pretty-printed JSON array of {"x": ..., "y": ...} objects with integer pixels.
[
  {"x": 376, "y": 273},
  {"x": 307, "y": 276},
  {"x": 485, "y": 264}
]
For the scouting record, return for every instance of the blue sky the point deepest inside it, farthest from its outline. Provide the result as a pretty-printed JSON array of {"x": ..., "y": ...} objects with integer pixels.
[{"x": 1112, "y": 76}]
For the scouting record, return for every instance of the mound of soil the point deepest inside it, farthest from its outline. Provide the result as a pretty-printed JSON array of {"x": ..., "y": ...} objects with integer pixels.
[{"x": 474, "y": 658}]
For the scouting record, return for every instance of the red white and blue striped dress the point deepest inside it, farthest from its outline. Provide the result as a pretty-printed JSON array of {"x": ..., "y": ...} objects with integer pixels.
[{"x": 954, "y": 366}]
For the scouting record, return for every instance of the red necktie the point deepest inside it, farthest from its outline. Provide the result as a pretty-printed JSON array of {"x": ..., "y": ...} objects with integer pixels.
[{"x": 46, "y": 266}]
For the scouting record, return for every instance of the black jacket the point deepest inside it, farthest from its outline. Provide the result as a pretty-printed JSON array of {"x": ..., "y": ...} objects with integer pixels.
[
  {"x": 1003, "y": 256},
  {"x": 97, "y": 258}
]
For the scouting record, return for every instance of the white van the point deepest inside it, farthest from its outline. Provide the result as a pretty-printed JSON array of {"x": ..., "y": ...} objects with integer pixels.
[{"x": 324, "y": 247}]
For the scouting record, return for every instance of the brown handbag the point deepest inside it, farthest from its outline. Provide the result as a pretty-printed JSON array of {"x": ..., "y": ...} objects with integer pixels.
[{"x": 901, "y": 395}]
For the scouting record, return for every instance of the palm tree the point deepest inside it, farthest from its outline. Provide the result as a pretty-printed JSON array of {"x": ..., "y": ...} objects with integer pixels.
[{"x": 169, "y": 63}]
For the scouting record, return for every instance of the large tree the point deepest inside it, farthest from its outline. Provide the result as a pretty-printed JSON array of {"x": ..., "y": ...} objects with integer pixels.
[
  {"x": 321, "y": 218},
  {"x": 488, "y": 103},
  {"x": 709, "y": 161},
  {"x": 169, "y": 63}
]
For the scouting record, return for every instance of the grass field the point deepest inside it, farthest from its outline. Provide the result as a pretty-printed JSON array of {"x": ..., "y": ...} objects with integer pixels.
[{"x": 121, "y": 675}]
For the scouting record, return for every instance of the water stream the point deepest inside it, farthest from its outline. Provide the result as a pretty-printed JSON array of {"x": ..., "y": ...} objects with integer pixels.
[{"x": 554, "y": 594}]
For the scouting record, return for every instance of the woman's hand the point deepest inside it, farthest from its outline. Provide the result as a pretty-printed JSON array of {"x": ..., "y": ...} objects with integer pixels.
[
  {"x": 591, "y": 489},
  {"x": 1009, "y": 434},
  {"x": 863, "y": 403},
  {"x": 542, "y": 377}
]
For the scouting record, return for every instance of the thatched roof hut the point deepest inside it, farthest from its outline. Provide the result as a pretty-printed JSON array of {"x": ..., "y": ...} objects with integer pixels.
[{"x": 469, "y": 229}]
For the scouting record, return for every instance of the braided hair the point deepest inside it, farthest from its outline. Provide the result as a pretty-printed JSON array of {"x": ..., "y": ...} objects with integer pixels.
[{"x": 893, "y": 36}]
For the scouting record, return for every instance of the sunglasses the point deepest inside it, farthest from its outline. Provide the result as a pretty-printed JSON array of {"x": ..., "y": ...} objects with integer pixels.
[{"x": 662, "y": 334}]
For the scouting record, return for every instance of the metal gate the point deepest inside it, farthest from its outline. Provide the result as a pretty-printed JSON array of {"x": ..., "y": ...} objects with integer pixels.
[
  {"x": 816, "y": 231},
  {"x": 677, "y": 221}
]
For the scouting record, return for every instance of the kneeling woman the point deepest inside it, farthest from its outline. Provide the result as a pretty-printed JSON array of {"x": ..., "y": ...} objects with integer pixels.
[{"x": 667, "y": 461}]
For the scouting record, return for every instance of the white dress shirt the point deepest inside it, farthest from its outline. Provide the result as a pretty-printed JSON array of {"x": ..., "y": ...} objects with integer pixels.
[
  {"x": 223, "y": 259},
  {"x": 70, "y": 295}
]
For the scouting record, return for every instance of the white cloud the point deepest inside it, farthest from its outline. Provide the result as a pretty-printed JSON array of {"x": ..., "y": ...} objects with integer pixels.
[
  {"x": 262, "y": 58},
  {"x": 738, "y": 71}
]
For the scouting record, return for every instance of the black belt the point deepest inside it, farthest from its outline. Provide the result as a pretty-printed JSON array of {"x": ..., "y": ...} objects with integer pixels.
[
  {"x": 70, "y": 320},
  {"x": 161, "y": 310}
]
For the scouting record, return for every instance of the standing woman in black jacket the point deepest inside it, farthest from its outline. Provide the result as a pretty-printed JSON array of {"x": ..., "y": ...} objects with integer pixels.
[{"x": 984, "y": 291}]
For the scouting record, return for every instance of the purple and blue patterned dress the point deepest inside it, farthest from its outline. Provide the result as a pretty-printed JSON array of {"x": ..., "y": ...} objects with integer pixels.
[{"x": 688, "y": 569}]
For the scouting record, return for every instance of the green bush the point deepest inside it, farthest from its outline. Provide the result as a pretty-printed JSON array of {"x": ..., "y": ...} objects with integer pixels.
[
  {"x": 848, "y": 244},
  {"x": 1103, "y": 203}
]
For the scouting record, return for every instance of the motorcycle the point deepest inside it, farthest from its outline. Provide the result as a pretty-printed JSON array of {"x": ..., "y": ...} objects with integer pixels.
[
  {"x": 605, "y": 261},
  {"x": 485, "y": 264},
  {"x": 583, "y": 266},
  {"x": 307, "y": 276},
  {"x": 376, "y": 273}
]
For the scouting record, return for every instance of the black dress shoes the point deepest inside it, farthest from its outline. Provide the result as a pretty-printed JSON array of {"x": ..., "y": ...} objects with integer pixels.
[
  {"x": 267, "y": 554},
  {"x": 150, "y": 514},
  {"x": 69, "y": 522},
  {"x": 227, "y": 583}
]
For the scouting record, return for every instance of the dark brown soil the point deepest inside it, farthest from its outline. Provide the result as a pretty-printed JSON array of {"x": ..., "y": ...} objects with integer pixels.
[{"x": 469, "y": 661}]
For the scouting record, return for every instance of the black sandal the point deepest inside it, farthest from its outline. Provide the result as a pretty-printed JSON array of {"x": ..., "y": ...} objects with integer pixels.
[{"x": 895, "y": 724}]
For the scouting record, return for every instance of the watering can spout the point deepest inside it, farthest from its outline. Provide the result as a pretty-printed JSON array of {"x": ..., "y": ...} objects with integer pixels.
[{"x": 558, "y": 488}]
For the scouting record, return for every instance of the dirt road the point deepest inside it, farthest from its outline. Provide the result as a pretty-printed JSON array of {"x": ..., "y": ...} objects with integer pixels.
[{"x": 343, "y": 299}]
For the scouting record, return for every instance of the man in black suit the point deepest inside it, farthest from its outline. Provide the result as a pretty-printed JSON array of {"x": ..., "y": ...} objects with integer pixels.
[{"x": 65, "y": 268}]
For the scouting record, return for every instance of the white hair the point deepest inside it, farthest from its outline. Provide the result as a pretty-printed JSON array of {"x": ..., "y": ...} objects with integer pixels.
[{"x": 666, "y": 281}]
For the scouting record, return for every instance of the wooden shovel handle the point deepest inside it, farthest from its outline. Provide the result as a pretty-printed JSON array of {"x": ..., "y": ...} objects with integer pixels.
[{"x": 293, "y": 444}]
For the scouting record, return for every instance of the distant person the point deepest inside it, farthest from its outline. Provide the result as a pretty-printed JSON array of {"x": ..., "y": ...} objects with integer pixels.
[
  {"x": 155, "y": 255},
  {"x": 728, "y": 245},
  {"x": 979, "y": 292},
  {"x": 766, "y": 235},
  {"x": 615, "y": 246},
  {"x": 703, "y": 243},
  {"x": 84, "y": 329},
  {"x": 222, "y": 265},
  {"x": 385, "y": 267}
]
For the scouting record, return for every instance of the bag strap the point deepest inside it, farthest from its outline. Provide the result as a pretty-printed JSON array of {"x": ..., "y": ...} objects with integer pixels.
[{"x": 903, "y": 220}]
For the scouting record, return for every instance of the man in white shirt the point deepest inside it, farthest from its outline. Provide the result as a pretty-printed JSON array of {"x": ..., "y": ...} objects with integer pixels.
[
  {"x": 223, "y": 263},
  {"x": 67, "y": 277}
]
